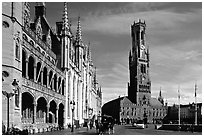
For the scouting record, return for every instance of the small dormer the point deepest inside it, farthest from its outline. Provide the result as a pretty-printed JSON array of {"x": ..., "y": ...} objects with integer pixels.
[
  {"x": 40, "y": 9},
  {"x": 48, "y": 39},
  {"x": 38, "y": 28}
]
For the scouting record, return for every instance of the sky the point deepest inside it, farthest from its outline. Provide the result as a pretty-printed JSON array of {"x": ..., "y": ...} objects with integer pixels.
[{"x": 173, "y": 34}]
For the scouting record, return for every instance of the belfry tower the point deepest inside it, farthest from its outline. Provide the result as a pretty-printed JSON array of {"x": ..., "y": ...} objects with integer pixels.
[{"x": 139, "y": 88}]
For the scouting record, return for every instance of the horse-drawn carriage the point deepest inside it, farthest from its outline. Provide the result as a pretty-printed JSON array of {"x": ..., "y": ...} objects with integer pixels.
[{"x": 105, "y": 125}]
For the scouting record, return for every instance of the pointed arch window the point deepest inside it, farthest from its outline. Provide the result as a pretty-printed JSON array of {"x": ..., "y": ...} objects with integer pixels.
[{"x": 17, "y": 50}]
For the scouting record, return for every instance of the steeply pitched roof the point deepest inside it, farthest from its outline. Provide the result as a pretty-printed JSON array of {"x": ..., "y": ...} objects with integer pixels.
[
  {"x": 126, "y": 101},
  {"x": 155, "y": 103}
]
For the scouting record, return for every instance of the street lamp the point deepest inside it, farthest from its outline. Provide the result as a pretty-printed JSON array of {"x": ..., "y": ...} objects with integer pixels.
[
  {"x": 72, "y": 104},
  {"x": 8, "y": 96}
]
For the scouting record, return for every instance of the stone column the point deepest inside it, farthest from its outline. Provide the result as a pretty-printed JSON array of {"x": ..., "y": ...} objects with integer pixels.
[
  {"x": 26, "y": 69},
  {"x": 48, "y": 82},
  {"x": 57, "y": 86},
  {"x": 41, "y": 76},
  {"x": 48, "y": 108},
  {"x": 35, "y": 71},
  {"x": 57, "y": 109},
  {"x": 34, "y": 112}
]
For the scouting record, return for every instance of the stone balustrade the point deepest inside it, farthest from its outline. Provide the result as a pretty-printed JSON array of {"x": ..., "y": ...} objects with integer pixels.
[{"x": 42, "y": 88}]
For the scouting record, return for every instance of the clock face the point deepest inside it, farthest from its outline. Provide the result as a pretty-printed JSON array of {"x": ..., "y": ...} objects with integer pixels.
[
  {"x": 142, "y": 47},
  {"x": 143, "y": 77}
]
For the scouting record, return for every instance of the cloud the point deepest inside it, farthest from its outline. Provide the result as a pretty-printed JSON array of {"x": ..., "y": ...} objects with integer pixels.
[
  {"x": 173, "y": 34},
  {"x": 158, "y": 20}
]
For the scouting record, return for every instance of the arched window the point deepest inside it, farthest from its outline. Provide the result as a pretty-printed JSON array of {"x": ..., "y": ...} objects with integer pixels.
[
  {"x": 48, "y": 57},
  {"x": 143, "y": 68},
  {"x": 62, "y": 87},
  {"x": 137, "y": 35},
  {"x": 23, "y": 63},
  {"x": 31, "y": 68},
  {"x": 17, "y": 50},
  {"x": 55, "y": 82},
  {"x": 5, "y": 24},
  {"x": 53, "y": 61},
  {"x": 17, "y": 97},
  {"x": 31, "y": 43},
  {"x": 142, "y": 35},
  {"x": 38, "y": 49},
  {"x": 25, "y": 37},
  {"x": 43, "y": 53}
]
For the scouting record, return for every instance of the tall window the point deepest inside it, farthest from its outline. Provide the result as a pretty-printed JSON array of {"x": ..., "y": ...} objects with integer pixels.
[
  {"x": 143, "y": 68},
  {"x": 17, "y": 51},
  {"x": 17, "y": 98},
  {"x": 137, "y": 35},
  {"x": 23, "y": 63},
  {"x": 142, "y": 35}
]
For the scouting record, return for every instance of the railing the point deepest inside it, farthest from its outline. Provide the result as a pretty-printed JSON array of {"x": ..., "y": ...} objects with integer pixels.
[
  {"x": 40, "y": 120},
  {"x": 27, "y": 120},
  {"x": 41, "y": 88}
]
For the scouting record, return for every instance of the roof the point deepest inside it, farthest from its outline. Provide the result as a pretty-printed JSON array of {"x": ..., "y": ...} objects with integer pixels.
[
  {"x": 155, "y": 103},
  {"x": 126, "y": 101}
]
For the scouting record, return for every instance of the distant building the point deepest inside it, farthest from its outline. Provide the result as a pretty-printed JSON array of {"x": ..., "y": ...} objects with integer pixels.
[
  {"x": 139, "y": 105},
  {"x": 187, "y": 114},
  {"x": 52, "y": 67}
]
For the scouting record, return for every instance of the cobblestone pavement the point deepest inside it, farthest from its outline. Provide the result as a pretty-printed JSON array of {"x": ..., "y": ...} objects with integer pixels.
[
  {"x": 79, "y": 131},
  {"x": 129, "y": 130},
  {"x": 121, "y": 130}
]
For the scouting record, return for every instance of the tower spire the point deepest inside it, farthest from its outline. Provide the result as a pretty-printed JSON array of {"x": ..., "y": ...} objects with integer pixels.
[
  {"x": 65, "y": 26},
  {"x": 160, "y": 92},
  {"x": 78, "y": 33}
]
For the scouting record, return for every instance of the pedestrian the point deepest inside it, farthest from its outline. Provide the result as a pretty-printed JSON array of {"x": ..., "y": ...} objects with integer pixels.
[
  {"x": 3, "y": 128},
  {"x": 69, "y": 126},
  {"x": 87, "y": 126},
  {"x": 192, "y": 128},
  {"x": 97, "y": 126}
]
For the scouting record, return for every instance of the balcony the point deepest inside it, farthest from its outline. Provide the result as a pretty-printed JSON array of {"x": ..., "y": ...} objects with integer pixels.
[
  {"x": 41, "y": 88},
  {"x": 27, "y": 120}
]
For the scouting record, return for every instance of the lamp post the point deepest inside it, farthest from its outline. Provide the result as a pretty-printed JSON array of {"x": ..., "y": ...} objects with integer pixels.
[
  {"x": 72, "y": 104},
  {"x": 8, "y": 96}
]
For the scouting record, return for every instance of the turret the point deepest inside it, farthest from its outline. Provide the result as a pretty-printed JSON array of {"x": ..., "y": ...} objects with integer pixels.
[
  {"x": 78, "y": 34},
  {"x": 66, "y": 39},
  {"x": 40, "y": 9},
  {"x": 79, "y": 45},
  {"x": 160, "y": 98}
]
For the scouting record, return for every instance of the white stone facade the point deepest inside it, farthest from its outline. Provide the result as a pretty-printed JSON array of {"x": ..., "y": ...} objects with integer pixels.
[{"x": 51, "y": 69}]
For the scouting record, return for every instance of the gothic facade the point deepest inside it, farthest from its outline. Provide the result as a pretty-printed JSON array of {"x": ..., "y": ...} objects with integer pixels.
[{"x": 53, "y": 69}]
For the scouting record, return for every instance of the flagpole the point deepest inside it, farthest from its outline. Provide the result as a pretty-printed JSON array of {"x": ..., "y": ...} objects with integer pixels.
[
  {"x": 179, "y": 106},
  {"x": 195, "y": 105}
]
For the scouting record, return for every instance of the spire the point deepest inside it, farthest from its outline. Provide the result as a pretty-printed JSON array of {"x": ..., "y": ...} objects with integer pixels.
[
  {"x": 89, "y": 51},
  {"x": 160, "y": 92},
  {"x": 78, "y": 33},
  {"x": 130, "y": 54},
  {"x": 160, "y": 98},
  {"x": 65, "y": 26}
]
